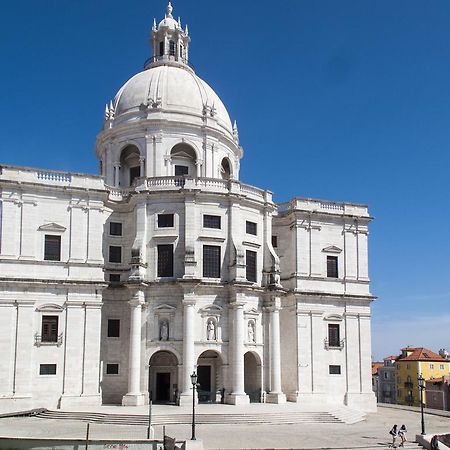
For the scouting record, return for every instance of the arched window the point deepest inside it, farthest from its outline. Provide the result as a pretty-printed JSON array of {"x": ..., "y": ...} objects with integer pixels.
[
  {"x": 183, "y": 159},
  {"x": 129, "y": 165},
  {"x": 225, "y": 169},
  {"x": 171, "y": 48},
  {"x": 181, "y": 51},
  {"x": 161, "y": 48}
]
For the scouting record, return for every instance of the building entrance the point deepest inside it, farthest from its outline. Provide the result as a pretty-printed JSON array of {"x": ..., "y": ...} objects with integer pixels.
[
  {"x": 163, "y": 377},
  {"x": 162, "y": 387},
  {"x": 209, "y": 372}
]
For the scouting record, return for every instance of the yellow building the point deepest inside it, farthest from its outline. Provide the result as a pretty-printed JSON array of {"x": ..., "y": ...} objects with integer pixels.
[{"x": 410, "y": 364}]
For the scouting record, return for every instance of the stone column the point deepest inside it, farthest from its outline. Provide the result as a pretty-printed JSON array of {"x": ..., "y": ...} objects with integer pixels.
[
  {"x": 275, "y": 395},
  {"x": 238, "y": 395},
  {"x": 135, "y": 397},
  {"x": 142, "y": 166},
  {"x": 188, "y": 349},
  {"x": 116, "y": 174}
]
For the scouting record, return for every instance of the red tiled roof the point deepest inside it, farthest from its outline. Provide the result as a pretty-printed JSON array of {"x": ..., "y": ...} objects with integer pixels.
[
  {"x": 420, "y": 354},
  {"x": 375, "y": 366},
  {"x": 391, "y": 358}
]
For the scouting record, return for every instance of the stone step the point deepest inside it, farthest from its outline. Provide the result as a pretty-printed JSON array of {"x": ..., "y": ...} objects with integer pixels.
[{"x": 162, "y": 419}]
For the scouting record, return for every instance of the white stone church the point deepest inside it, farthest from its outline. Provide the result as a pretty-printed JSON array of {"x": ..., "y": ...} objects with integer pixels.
[{"x": 124, "y": 283}]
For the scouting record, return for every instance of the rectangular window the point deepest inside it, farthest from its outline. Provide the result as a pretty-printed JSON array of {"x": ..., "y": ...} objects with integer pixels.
[
  {"x": 274, "y": 241},
  {"x": 165, "y": 260},
  {"x": 165, "y": 220},
  {"x": 112, "y": 369},
  {"x": 333, "y": 335},
  {"x": 335, "y": 370},
  {"x": 52, "y": 248},
  {"x": 332, "y": 266},
  {"x": 115, "y": 229},
  {"x": 211, "y": 221},
  {"x": 441, "y": 366},
  {"x": 250, "y": 227},
  {"x": 114, "y": 278},
  {"x": 135, "y": 172},
  {"x": 250, "y": 260},
  {"x": 181, "y": 170},
  {"x": 47, "y": 369},
  {"x": 113, "y": 328},
  {"x": 49, "y": 330},
  {"x": 431, "y": 366},
  {"x": 161, "y": 48},
  {"x": 115, "y": 254},
  {"x": 211, "y": 261}
]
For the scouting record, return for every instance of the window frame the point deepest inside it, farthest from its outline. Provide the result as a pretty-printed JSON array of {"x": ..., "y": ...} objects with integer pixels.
[
  {"x": 42, "y": 372},
  {"x": 120, "y": 226},
  {"x": 52, "y": 336},
  {"x": 46, "y": 254},
  {"x": 334, "y": 339},
  {"x": 159, "y": 225},
  {"x": 177, "y": 167},
  {"x": 160, "y": 273},
  {"x": 209, "y": 217},
  {"x": 335, "y": 272},
  {"x": 108, "y": 335},
  {"x": 110, "y": 364},
  {"x": 249, "y": 228},
  {"x": 208, "y": 271},
  {"x": 336, "y": 367},
  {"x": 254, "y": 274},
  {"x": 120, "y": 253}
]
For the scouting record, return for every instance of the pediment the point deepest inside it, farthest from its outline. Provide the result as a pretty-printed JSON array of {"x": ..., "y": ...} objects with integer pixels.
[
  {"x": 251, "y": 312},
  {"x": 334, "y": 317},
  {"x": 165, "y": 308},
  {"x": 50, "y": 307},
  {"x": 211, "y": 310},
  {"x": 332, "y": 249},
  {"x": 52, "y": 226}
]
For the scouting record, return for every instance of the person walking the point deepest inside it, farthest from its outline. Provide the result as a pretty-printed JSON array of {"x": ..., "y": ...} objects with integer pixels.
[
  {"x": 402, "y": 435},
  {"x": 393, "y": 433}
]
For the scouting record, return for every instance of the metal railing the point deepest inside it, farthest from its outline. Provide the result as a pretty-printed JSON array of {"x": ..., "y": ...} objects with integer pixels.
[
  {"x": 56, "y": 340},
  {"x": 409, "y": 384},
  {"x": 333, "y": 344}
]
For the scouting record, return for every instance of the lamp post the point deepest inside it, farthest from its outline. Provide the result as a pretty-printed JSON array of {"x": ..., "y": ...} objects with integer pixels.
[
  {"x": 194, "y": 378},
  {"x": 149, "y": 428},
  {"x": 421, "y": 381}
]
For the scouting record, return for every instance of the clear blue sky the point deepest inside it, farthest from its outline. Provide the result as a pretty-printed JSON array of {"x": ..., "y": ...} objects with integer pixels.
[{"x": 344, "y": 100}]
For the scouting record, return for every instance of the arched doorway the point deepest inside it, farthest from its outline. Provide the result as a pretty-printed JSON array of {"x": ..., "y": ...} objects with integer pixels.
[
  {"x": 252, "y": 377},
  {"x": 210, "y": 377},
  {"x": 163, "y": 377},
  {"x": 183, "y": 159},
  {"x": 130, "y": 168}
]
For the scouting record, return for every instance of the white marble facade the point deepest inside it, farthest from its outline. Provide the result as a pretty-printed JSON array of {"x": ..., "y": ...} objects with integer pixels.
[{"x": 116, "y": 285}]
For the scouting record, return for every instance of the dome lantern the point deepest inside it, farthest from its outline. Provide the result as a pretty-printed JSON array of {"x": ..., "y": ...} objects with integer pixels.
[{"x": 169, "y": 42}]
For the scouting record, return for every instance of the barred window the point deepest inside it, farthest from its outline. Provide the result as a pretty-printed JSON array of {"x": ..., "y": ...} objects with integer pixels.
[
  {"x": 165, "y": 220},
  {"x": 172, "y": 48},
  {"x": 335, "y": 370},
  {"x": 250, "y": 227},
  {"x": 210, "y": 221},
  {"x": 165, "y": 260},
  {"x": 115, "y": 229},
  {"x": 332, "y": 266},
  {"x": 211, "y": 261},
  {"x": 115, "y": 254},
  {"x": 49, "y": 330},
  {"x": 333, "y": 335},
  {"x": 250, "y": 260},
  {"x": 47, "y": 369},
  {"x": 52, "y": 248}
]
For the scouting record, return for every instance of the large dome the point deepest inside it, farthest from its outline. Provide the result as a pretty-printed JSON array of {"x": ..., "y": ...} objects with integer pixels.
[{"x": 171, "y": 89}]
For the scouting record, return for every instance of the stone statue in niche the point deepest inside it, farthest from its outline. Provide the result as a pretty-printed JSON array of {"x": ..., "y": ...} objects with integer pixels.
[
  {"x": 251, "y": 331},
  {"x": 164, "y": 331},
  {"x": 211, "y": 330}
]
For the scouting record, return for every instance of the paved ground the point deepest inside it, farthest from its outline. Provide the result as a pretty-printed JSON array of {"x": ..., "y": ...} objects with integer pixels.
[{"x": 370, "y": 433}]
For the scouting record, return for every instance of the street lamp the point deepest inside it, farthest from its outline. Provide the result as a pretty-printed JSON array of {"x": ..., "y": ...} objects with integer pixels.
[
  {"x": 194, "y": 378},
  {"x": 421, "y": 381}
]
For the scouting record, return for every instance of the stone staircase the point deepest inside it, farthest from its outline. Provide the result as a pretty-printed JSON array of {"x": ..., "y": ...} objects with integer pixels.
[{"x": 342, "y": 416}]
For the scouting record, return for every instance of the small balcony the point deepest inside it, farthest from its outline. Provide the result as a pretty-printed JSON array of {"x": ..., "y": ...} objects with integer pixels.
[
  {"x": 56, "y": 340},
  {"x": 332, "y": 344},
  {"x": 409, "y": 385}
]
